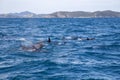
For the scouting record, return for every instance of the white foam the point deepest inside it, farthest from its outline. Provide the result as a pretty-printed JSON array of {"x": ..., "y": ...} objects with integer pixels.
[
  {"x": 22, "y": 39},
  {"x": 69, "y": 37},
  {"x": 79, "y": 39}
]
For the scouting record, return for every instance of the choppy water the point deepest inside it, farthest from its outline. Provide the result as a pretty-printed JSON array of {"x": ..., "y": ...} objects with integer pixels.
[{"x": 62, "y": 59}]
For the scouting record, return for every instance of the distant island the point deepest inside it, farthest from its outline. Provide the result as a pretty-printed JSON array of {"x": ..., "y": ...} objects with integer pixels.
[{"x": 64, "y": 14}]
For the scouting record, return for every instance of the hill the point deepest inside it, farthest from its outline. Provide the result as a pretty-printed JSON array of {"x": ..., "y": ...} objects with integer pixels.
[{"x": 64, "y": 14}]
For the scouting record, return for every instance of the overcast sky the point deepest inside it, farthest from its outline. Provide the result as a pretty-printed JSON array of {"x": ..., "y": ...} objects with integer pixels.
[{"x": 48, "y": 6}]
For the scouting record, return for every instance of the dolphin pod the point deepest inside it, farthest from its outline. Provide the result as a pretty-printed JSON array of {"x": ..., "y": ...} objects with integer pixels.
[
  {"x": 39, "y": 45},
  {"x": 76, "y": 38}
]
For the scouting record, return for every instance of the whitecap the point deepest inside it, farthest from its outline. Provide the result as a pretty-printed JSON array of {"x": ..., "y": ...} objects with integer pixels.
[
  {"x": 22, "y": 39},
  {"x": 69, "y": 37}
]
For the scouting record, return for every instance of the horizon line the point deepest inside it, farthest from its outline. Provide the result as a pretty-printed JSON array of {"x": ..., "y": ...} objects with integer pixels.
[{"x": 58, "y": 11}]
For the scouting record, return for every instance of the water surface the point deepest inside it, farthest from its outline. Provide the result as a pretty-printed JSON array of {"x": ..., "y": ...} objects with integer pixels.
[{"x": 62, "y": 59}]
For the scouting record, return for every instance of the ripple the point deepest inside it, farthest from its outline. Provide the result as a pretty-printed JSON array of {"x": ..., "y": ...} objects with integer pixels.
[{"x": 67, "y": 57}]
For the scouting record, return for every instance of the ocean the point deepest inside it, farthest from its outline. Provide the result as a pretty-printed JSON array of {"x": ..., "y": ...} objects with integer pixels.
[{"x": 80, "y": 49}]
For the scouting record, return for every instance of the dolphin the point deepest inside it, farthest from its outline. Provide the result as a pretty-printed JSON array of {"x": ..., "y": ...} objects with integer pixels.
[
  {"x": 33, "y": 47},
  {"x": 90, "y": 38},
  {"x": 49, "y": 40}
]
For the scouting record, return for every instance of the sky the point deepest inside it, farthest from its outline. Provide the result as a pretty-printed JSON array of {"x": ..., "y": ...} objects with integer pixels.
[{"x": 49, "y": 6}]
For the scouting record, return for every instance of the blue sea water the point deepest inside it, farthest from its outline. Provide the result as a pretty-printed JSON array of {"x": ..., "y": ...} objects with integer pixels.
[{"x": 64, "y": 58}]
